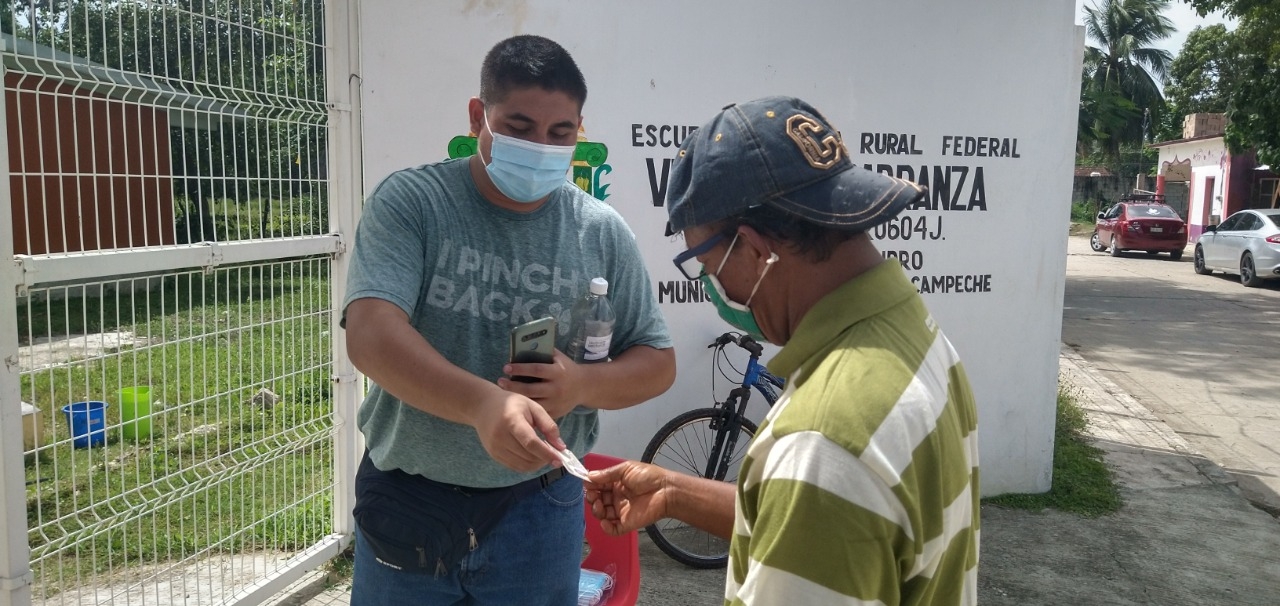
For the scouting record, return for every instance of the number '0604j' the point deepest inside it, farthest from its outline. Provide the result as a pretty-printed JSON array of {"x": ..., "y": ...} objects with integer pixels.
[{"x": 908, "y": 228}]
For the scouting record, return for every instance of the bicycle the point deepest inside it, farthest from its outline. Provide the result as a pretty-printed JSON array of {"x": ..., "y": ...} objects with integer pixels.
[{"x": 707, "y": 442}]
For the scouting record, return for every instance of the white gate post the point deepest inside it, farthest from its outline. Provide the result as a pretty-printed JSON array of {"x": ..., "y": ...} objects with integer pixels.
[
  {"x": 346, "y": 197},
  {"x": 15, "y": 553}
]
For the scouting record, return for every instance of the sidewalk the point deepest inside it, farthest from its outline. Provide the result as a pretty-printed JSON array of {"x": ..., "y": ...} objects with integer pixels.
[{"x": 1184, "y": 535}]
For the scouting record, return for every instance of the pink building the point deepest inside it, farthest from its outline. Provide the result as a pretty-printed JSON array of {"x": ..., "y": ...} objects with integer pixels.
[{"x": 1218, "y": 182}]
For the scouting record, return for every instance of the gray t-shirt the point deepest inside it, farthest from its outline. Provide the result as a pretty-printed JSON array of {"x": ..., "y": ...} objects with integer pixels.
[{"x": 466, "y": 272}]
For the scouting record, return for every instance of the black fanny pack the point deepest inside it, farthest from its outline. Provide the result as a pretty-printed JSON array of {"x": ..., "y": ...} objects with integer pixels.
[{"x": 419, "y": 525}]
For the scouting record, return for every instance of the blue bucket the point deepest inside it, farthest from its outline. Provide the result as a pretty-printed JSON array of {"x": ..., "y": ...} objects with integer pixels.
[{"x": 88, "y": 421}]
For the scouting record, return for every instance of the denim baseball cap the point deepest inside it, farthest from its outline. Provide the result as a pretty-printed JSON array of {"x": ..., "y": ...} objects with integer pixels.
[{"x": 782, "y": 152}]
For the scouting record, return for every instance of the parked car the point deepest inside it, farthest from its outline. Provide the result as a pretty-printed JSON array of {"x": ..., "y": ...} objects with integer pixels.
[
  {"x": 1247, "y": 243},
  {"x": 1140, "y": 222}
]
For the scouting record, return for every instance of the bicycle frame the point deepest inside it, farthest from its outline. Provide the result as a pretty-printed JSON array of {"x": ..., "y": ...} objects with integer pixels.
[
  {"x": 734, "y": 409},
  {"x": 714, "y": 433}
]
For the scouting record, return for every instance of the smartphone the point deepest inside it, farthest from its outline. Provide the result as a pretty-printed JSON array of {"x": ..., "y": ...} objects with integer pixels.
[{"x": 533, "y": 342}]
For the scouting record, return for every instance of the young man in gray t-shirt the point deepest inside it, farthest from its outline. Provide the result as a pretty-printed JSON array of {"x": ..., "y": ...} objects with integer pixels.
[{"x": 448, "y": 258}]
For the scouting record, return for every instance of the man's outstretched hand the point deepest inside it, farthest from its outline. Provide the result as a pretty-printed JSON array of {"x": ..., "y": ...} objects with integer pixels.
[{"x": 629, "y": 496}]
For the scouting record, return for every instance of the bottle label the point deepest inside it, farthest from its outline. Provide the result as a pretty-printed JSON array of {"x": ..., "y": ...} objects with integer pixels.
[{"x": 597, "y": 348}]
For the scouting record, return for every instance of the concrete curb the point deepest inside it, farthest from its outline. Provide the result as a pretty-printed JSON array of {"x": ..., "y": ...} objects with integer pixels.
[{"x": 1117, "y": 417}]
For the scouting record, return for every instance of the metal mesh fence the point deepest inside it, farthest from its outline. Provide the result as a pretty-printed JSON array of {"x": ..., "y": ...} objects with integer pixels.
[
  {"x": 153, "y": 123},
  {"x": 184, "y": 417},
  {"x": 178, "y": 427}
]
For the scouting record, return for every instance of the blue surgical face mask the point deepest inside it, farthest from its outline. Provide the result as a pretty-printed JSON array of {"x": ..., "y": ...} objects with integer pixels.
[
  {"x": 526, "y": 171},
  {"x": 738, "y": 315}
]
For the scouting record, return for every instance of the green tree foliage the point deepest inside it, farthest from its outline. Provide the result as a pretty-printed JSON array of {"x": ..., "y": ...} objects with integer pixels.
[
  {"x": 1103, "y": 113},
  {"x": 1202, "y": 71},
  {"x": 1120, "y": 93},
  {"x": 1167, "y": 126},
  {"x": 1253, "y": 90},
  {"x": 257, "y": 52}
]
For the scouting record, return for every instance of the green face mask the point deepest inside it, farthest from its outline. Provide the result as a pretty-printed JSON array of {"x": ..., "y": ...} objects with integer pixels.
[{"x": 738, "y": 315}]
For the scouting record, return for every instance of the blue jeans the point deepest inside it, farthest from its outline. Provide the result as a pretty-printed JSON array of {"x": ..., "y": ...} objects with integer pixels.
[{"x": 532, "y": 557}]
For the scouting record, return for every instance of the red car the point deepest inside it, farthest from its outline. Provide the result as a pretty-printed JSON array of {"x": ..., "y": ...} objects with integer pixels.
[{"x": 1140, "y": 222}]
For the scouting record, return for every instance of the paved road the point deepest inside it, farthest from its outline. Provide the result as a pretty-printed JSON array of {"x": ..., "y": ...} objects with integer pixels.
[{"x": 1201, "y": 352}]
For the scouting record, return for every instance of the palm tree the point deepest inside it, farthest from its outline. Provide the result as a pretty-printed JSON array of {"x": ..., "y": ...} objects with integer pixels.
[{"x": 1122, "y": 72}]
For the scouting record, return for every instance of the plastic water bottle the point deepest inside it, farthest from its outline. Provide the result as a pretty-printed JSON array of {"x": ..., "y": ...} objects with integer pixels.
[{"x": 591, "y": 323}]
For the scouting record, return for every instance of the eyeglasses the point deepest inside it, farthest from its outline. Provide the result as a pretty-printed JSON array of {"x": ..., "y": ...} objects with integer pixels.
[{"x": 688, "y": 262}]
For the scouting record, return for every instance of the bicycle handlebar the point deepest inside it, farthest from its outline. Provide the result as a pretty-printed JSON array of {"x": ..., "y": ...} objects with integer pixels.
[
  {"x": 722, "y": 340},
  {"x": 743, "y": 341}
]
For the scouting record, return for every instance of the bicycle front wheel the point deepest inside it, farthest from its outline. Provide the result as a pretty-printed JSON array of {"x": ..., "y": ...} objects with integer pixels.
[{"x": 684, "y": 444}]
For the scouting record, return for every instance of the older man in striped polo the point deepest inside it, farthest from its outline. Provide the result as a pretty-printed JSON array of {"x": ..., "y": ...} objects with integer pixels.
[{"x": 861, "y": 486}]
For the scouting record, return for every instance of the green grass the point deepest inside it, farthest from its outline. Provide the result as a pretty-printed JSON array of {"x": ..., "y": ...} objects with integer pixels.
[
  {"x": 341, "y": 568},
  {"x": 1085, "y": 211},
  {"x": 1082, "y": 482},
  {"x": 230, "y": 220},
  {"x": 1083, "y": 215},
  {"x": 220, "y": 473}
]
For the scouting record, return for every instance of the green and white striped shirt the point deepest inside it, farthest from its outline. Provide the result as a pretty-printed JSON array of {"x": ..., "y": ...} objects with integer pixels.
[{"x": 861, "y": 486}]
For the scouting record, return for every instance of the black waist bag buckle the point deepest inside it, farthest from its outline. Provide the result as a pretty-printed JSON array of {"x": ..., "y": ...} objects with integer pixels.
[{"x": 418, "y": 525}]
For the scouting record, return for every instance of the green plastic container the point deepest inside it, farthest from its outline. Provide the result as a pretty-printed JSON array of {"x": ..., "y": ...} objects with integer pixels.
[{"x": 135, "y": 412}]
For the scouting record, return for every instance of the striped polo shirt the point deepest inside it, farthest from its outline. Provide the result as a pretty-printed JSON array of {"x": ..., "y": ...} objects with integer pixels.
[{"x": 861, "y": 486}]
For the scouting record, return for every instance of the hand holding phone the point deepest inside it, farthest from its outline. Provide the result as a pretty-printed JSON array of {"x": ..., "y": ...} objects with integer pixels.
[{"x": 533, "y": 342}]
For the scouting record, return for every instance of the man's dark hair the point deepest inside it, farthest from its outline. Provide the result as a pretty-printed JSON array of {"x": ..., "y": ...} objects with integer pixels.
[
  {"x": 528, "y": 61},
  {"x": 809, "y": 240}
]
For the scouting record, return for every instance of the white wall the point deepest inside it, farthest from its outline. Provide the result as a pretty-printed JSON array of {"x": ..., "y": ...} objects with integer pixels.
[
  {"x": 1006, "y": 69},
  {"x": 1199, "y": 178},
  {"x": 1208, "y": 157}
]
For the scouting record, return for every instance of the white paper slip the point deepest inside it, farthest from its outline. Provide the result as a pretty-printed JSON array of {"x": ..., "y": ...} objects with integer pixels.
[{"x": 572, "y": 464}]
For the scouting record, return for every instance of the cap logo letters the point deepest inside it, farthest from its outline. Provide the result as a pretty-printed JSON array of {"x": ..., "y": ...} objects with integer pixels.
[{"x": 821, "y": 152}]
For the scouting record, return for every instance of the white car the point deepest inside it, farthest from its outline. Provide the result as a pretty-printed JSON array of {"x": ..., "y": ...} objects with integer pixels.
[{"x": 1247, "y": 243}]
